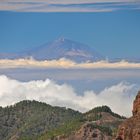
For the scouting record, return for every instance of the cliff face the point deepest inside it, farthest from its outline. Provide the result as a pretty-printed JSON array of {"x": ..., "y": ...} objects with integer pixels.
[
  {"x": 130, "y": 129},
  {"x": 136, "y": 106}
]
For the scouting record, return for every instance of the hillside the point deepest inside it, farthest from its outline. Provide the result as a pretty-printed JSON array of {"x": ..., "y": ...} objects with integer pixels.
[
  {"x": 32, "y": 120},
  {"x": 29, "y": 119}
]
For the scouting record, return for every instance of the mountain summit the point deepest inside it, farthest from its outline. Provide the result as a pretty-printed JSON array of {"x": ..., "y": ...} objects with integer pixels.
[
  {"x": 60, "y": 48},
  {"x": 64, "y": 48}
]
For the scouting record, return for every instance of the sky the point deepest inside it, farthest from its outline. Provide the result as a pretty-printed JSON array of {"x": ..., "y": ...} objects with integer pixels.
[{"x": 112, "y": 27}]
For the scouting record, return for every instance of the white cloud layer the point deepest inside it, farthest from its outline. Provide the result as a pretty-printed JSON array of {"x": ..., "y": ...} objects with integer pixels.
[
  {"x": 64, "y": 63},
  {"x": 66, "y": 5},
  {"x": 119, "y": 97}
]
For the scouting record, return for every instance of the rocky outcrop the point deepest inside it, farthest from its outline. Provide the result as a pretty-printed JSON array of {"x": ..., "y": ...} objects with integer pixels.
[
  {"x": 87, "y": 132},
  {"x": 100, "y": 124},
  {"x": 130, "y": 129},
  {"x": 136, "y": 106}
]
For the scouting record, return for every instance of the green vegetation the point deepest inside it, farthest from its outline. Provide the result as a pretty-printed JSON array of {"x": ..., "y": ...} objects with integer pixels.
[
  {"x": 105, "y": 130},
  {"x": 32, "y": 120},
  {"x": 95, "y": 114},
  {"x": 65, "y": 129}
]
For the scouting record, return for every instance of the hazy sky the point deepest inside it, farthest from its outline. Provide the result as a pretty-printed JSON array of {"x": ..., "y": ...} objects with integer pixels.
[{"x": 113, "y": 29}]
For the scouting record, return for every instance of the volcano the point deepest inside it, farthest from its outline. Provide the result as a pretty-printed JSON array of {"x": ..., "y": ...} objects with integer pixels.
[{"x": 60, "y": 48}]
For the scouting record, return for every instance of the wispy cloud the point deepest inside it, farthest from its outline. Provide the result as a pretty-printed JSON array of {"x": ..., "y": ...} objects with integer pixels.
[
  {"x": 65, "y": 63},
  {"x": 119, "y": 97},
  {"x": 67, "y": 5}
]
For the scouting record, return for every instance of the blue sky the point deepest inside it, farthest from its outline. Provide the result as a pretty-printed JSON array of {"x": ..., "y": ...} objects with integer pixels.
[
  {"x": 112, "y": 27},
  {"x": 113, "y": 33}
]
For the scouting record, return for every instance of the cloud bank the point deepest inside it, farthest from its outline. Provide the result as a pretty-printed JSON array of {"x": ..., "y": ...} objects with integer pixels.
[
  {"x": 64, "y": 63},
  {"x": 68, "y": 5},
  {"x": 119, "y": 97}
]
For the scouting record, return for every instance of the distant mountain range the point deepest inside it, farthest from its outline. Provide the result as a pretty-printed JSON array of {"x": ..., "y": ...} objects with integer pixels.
[
  {"x": 32, "y": 120},
  {"x": 60, "y": 48},
  {"x": 63, "y": 48}
]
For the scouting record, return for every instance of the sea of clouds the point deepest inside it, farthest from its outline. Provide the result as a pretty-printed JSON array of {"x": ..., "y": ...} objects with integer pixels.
[
  {"x": 65, "y": 63},
  {"x": 119, "y": 97}
]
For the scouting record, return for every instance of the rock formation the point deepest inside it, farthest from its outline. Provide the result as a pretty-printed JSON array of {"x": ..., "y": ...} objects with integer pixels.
[
  {"x": 86, "y": 132},
  {"x": 130, "y": 129}
]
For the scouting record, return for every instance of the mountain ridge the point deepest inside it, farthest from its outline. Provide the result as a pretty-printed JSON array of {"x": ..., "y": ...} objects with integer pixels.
[{"x": 33, "y": 120}]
